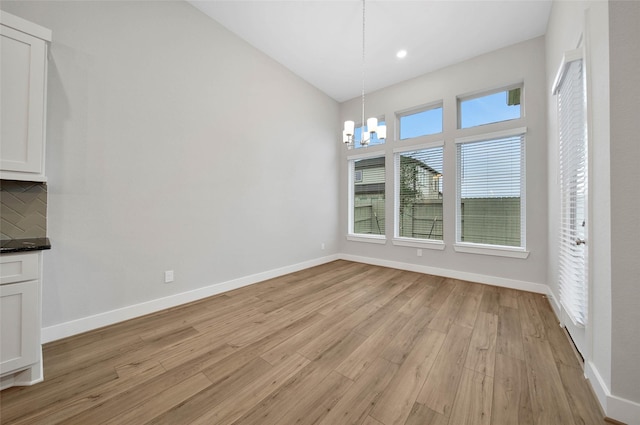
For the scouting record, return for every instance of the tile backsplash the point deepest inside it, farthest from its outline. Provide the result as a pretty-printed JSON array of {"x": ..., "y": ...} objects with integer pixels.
[{"x": 23, "y": 209}]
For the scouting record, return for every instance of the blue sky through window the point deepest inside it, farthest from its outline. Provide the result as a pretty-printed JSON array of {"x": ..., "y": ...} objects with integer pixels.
[
  {"x": 487, "y": 109},
  {"x": 421, "y": 123}
]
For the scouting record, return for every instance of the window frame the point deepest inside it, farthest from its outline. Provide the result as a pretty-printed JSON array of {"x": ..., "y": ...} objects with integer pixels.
[
  {"x": 477, "y": 95},
  {"x": 416, "y": 110},
  {"x": 351, "y": 235},
  {"x": 490, "y": 249},
  {"x": 402, "y": 240}
]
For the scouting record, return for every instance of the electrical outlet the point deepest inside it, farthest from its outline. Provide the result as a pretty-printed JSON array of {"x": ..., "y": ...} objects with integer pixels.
[
  {"x": 168, "y": 276},
  {"x": 419, "y": 252},
  {"x": 322, "y": 245}
]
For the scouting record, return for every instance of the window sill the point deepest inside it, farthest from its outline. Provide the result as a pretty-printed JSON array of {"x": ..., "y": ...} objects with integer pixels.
[
  {"x": 498, "y": 251},
  {"x": 378, "y": 239},
  {"x": 413, "y": 243}
]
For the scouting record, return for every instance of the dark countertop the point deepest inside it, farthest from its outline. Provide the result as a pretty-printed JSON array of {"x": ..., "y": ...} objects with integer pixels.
[{"x": 20, "y": 245}]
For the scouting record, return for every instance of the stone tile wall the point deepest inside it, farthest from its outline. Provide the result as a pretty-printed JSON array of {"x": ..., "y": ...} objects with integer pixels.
[{"x": 23, "y": 209}]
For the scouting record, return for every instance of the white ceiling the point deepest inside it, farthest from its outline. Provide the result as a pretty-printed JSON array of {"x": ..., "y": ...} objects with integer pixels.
[{"x": 321, "y": 40}]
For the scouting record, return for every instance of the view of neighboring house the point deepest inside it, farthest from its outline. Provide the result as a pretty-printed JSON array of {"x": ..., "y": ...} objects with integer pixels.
[{"x": 369, "y": 195}]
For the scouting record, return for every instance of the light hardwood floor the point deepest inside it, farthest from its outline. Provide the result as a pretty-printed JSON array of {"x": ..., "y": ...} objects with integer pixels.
[{"x": 341, "y": 343}]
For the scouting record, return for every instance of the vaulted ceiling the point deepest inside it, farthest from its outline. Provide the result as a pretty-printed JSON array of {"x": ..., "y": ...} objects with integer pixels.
[{"x": 321, "y": 40}]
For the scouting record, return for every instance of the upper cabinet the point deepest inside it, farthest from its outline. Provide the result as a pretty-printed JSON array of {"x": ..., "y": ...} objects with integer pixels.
[{"x": 23, "y": 86}]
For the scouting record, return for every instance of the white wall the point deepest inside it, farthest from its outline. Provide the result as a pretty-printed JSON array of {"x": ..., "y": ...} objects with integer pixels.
[
  {"x": 624, "y": 39},
  {"x": 523, "y": 62},
  {"x": 614, "y": 349},
  {"x": 174, "y": 145}
]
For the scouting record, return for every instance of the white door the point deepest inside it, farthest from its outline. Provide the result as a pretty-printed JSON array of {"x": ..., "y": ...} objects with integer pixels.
[{"x": 573, "y": 174}]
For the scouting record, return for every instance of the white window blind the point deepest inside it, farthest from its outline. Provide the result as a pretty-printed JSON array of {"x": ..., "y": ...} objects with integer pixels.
[
  {"x": 491, "y": 191},
  {"x": 573, "y": 191},
  {"x": 419, "y": 191}
]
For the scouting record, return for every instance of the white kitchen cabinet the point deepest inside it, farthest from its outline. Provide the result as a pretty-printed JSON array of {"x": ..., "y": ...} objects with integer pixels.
[
  {"x": 20, "y": 347},
  {"x": 23, "y": 84}
]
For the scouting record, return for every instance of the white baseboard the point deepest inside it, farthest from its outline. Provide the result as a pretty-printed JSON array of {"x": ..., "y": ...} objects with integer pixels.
[
  {"x": 454, "y": 274},
  {"x": 85, "y": 324},
  {"x": 620, "y": 409},
  {"x": 74, "y": 327}
]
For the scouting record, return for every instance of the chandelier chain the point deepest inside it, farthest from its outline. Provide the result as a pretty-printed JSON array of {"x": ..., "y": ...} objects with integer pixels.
[{"x": 363, "y": 65}]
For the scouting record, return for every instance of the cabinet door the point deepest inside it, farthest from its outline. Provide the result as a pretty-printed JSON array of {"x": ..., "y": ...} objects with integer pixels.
[
  {"x": 19, "y": 325},
  {"x": 22, "y": 85}
]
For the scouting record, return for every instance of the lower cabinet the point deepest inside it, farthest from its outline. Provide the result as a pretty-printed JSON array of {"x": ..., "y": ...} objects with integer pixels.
[{"x": 20, "y": 348}]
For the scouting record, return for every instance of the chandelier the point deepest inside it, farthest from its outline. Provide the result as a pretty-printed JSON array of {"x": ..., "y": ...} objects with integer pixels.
[{"x": 367, "y": 133}]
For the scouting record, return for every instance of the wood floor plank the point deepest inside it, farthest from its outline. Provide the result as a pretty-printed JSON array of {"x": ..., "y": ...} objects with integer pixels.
[
  {"x": 306, "y": 381},
  {"x": 373, "y": 323},
  {"x": 474, "y": 398},
  {"x": 398, "y": 349},
  {"x": 143, "y": 390},
  {"x": 548, "y": 398},
  {"x": 369, "y": 288},
  {"x": 313, "y": 349},
  {"x": 162, "y": 402},
  {"x": 322, "y": 342},
  {"x": 312, "y": 407},
  {"x": 232, "y": 408},
  {"x": 68, "y": 407},
  {"x": 246, "y": 354},
  {"x": 360, "y": 359},
  {"x": 225, "y": 387},
  {"x": 360, "y": 398},
  {"x": 490, "y": 300},
  {"x": 470, "y": 306},
  {"x": 438, "y": 297},
  {"x": 395, "y": 404},
  {"x": 441, "y": 386},
  {"x": 481, "y": 356},
  {"x": 509, "y": 341},
  {"x": 225, "y": 320},
  {"x": 241, "y": 358},
  {"x": 508, "y": 297},
  {"x": 530, "y": 320},
  {"x": 583, "y": 406},
  {"x": 16, "y": 402},
  {"x": 511, "y": 401},
  {"x": 562, "y": 352},
  {"x": 371, "y": 421},
  {"x": 422, "y": 415},
  {"x": 296, "y": 341},
  {"x": 331, "y": 288},
  {"x": 421, "y": 297},
  {"x": 87, "y": 355},
  {"x": 448, "y": 311},
  {"x": 176, "y": 354},
  {"x": 276, "y": 319}
]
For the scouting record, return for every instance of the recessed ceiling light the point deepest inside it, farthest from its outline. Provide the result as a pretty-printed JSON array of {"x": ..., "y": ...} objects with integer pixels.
[{"x": 401, "y": 54}]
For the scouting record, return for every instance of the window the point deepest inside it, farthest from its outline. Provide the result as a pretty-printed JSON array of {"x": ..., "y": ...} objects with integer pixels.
[
  {"x": 503, "y": 105},
  {"x": 419, "y": 193},
  {"x": 491, "y": 189},
  {"x": 357, "y": 136},
  {"x": 420, "y": 123},
  {"x": 367, "y": 196}
]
